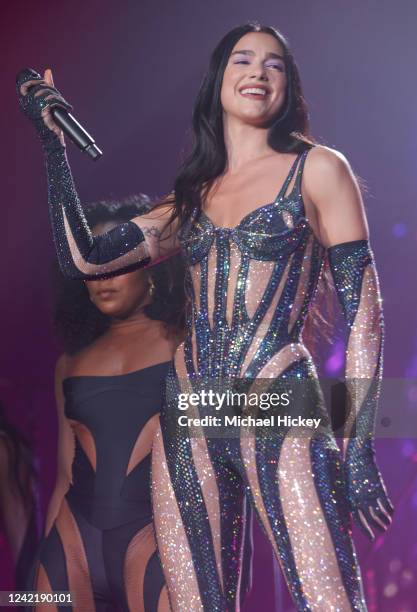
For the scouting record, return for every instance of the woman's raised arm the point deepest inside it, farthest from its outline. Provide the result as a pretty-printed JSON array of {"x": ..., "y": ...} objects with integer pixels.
[{"x": 142, "y": 241}]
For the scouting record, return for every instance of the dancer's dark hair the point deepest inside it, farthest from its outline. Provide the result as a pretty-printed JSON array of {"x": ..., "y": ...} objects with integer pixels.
[{"x": 78, "y": 322}]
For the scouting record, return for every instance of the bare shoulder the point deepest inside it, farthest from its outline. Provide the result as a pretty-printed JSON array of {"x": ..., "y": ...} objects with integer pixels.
[
  {"x": 333, "y": 192},
  {"x": 324, "y": 163},
  {"x": 80, "y": 361}
]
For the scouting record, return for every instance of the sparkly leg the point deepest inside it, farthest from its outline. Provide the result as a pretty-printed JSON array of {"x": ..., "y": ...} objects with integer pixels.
[
  {"x": 200, "y": 521},
  {"x": 183, "y": 531},
  {"x": 296, "y": 489},
  {"x": 233, "y": 521}
]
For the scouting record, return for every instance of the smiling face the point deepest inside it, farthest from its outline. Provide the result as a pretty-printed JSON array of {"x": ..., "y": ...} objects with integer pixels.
[
  {"x": 254, "y": 81},
  {"x": 119, "y": 296}
]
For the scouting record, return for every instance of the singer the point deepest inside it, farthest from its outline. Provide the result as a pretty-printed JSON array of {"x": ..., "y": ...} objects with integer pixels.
[{"x": 263, "y": 216}]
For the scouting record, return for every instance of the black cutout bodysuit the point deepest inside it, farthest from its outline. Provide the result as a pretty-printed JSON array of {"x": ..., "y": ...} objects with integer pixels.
[{"x": 102, "y": 545}]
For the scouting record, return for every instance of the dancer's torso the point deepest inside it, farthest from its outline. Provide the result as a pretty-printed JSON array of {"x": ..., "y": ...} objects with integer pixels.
[
  {"x": 250, "y": 288},
  {"x": 114, "y": 419}
]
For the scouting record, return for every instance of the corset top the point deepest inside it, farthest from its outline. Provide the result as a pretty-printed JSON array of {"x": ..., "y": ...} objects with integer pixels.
[
  {"x": 254, "y": 280},
  {"x": 113, "y": 419}
]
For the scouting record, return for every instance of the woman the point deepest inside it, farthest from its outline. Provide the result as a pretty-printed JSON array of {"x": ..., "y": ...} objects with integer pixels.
[
  {"x": 119, "y": 336},
  {"x": 253, "y": 270}
]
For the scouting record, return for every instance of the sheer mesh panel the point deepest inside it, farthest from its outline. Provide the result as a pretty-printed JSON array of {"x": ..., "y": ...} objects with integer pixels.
[
  {"x": 79, "y": 579},
  {"x": 143, "y": 444},
  {"x": 140, "y": 550},
  {"x": 174, "y": 550}
]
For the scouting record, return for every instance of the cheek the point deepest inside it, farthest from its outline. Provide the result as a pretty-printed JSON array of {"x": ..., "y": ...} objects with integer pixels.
[
  {"x": 283, "y": 83},
  {"x": 137, "y": 290},
  {"x": 281, "y": 89},
  {"x": 230, "y": 79}
]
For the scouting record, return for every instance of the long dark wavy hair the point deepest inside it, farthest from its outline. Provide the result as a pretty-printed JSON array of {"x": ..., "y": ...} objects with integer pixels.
[
  {"x": 207, "y": 160},
  {"x": 78, "y": 322}
]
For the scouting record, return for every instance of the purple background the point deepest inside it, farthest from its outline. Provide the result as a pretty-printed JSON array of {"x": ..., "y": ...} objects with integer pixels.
[{"x": 132, "y": 70}]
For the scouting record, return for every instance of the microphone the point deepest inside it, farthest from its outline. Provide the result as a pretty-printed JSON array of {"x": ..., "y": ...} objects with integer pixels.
[{"x": 70, "y": 126}]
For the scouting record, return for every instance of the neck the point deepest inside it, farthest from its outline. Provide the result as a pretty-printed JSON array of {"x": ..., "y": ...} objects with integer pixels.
[
  {"x": 137, "y": 320},
  {"x": 244, "y": 143}
]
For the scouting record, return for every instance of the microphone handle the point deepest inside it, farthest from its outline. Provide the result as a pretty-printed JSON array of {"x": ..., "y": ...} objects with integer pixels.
[{"x": 75, "y": 132}]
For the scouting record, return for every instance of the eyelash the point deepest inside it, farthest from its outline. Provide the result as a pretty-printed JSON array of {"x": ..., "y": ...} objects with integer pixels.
[{"x": 277, "y": 66}]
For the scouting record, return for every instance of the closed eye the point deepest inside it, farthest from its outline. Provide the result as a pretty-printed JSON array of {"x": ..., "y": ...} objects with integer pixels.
[{"x": 278, "y": 67}]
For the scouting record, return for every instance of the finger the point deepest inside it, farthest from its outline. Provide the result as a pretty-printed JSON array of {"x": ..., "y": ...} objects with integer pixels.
[
  {"x": 41, "y": 87},
  {"x": 52, "y": 78},
  {"x": 24, "y": 88},
  {"x": 42, "y": 90},
  {"x": 48, "y": 77},
  {"x": 378, "y": 521},
  {"x": 370, "y": 519},
  {"x": 389, "y": 505},
  {"x": 53, "y": 100},
  {"x": 49, "y": 121},
  {"x": 386, "y": 507},
  {"x": 383, "y": 516},
  {"x": 48, "y": 116},
  {"x": 48, "y": 96},
  {"x": 363, "y": 524},
  {"x": 49, "y": 99},
  {"x": 25, "y": 75}
]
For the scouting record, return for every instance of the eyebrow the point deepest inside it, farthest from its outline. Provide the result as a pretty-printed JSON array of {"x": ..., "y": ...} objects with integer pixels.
[{"x": 249, "y": 52}]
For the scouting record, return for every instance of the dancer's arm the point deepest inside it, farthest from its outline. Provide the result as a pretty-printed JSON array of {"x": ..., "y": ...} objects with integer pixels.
[
  {"x": 65, "y": 450},
  {"x": 343, "y": 229},
  {"x": 139, "y": 242}
]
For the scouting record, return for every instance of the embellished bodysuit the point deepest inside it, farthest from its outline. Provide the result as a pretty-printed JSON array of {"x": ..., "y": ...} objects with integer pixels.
[{"x": 251, "y": 287}]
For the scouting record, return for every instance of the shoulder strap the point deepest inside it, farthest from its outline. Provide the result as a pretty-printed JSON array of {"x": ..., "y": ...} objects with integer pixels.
[
  {"x": 298, "y": 178},
  {"x": 298, "y": 166},
  {"x": 289, "y": 177}
]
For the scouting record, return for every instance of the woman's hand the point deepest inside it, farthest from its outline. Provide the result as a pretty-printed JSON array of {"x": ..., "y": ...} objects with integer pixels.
[
  {"x": 37, "y": 96},
  {"x": 369, "y": 503}
]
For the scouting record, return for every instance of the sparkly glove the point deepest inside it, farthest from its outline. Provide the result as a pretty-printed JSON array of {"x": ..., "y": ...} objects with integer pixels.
[
  {"x": 81, "y": 255},
  {"x": 356, "y": 281},
  {"x": 32, "y": 106}
]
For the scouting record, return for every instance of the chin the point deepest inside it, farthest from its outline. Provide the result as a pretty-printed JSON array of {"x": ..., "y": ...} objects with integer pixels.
[
  {"x": 255, "y": 119},
  {"x": 108, "y": 309}
]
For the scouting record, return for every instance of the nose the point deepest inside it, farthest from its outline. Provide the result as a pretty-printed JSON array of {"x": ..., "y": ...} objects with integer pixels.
[
  {"x": 103, "y": 284},
  {"x": 259, "y": 72}
]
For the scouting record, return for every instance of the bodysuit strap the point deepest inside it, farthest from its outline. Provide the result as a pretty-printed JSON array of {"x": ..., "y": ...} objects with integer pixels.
[
  {"x": 298, "y": 178},
  {"x": 287, "y": 181},
  {"x": 298, "y": 166}
]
